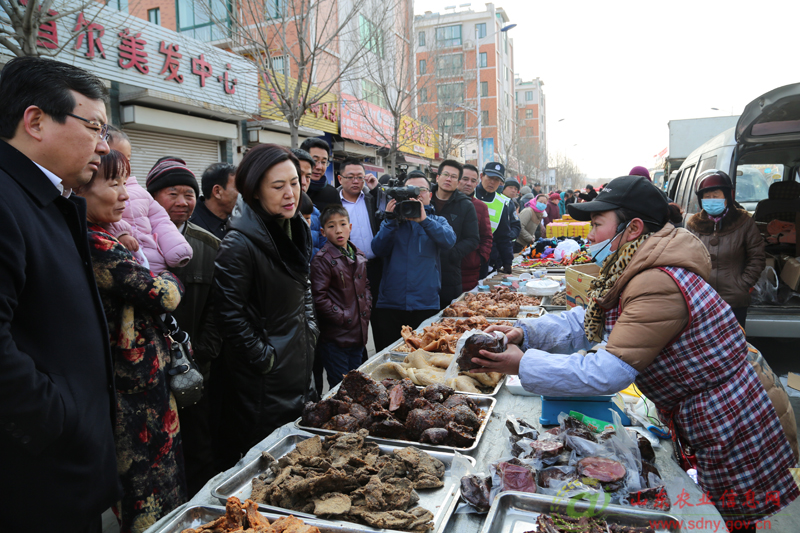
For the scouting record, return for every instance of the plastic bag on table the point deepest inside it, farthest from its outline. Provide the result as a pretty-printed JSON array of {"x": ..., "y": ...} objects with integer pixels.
[
  {"x": 495, "y": 341},
  {"x": 514, "y": 474},
  {"x": 517, "y": 429},
  {"x": 565, "y": 249},
  {"x": 765, "y": 291},
  {"x": 475, "y": 488}
]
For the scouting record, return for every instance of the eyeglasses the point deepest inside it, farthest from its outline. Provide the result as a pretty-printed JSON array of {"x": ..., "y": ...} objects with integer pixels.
[
  {"x": 353, "y": 178},
  {"x": 424, "y": 189},
  {"x": 448, "y": 175},
  {"x": 102, "y": 129},
  {"x": 323, "y": 162}
]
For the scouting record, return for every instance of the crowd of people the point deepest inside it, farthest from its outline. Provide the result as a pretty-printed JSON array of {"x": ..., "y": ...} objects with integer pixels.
[{"x": 276, "y": 276}]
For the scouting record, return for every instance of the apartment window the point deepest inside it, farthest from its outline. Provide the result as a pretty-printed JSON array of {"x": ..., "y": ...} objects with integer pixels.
[
  {"x": 528, "y": 96},
  {"x": 423, "y": 94},
  {"x": 508, "y": 100},
  {"x": 425, "y": 120},
  {"x": 449, "y": 35},
  {"x": 484, "y": 89},
  {"x": 274, "y": 9},
  {"x": 484, "y": 118},
  {"x": 422, "y": 38},
  {"x": 508, "y": 75},
  {"x": 480, "y": 30},
  {"x": 371, "y": 36},
  {"x": 529, "y": 132},
  {"x": 482, "y": 60},
  {"x": 204, "y": 20},
  {"x": 529, "y": 113},
  {"x": 452, "y": 122},
  {"x": 423, "y": 66},
  {"x": 450, "y": 92},
  {"x": 372, "y": 93},
  {"x": 119, "y": 5},
  {"x": 280, "y": 65},
  {"x": 450, "y": 65},
  {"x": 154, "y": 16}
]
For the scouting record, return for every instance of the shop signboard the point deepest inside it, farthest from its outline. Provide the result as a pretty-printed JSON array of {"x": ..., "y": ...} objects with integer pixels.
[
  {"x": 416, "y": 138},
  {"x": 119, "y": 47},
  {"x": 322, "y": 115},
  {"x": 359, "y": 120}
]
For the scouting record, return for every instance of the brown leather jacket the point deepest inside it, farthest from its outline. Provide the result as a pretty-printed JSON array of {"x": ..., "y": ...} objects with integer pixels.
[
  {"x": 341, "y": 296},
  {"x": 737, "y": 253}
]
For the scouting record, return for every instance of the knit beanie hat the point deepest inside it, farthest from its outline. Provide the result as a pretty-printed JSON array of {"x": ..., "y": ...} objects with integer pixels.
[{"x": 168, "y": 172}]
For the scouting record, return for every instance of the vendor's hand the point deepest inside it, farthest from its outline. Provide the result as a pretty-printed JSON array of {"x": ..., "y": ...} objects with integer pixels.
[
  {"x": 129, "y": 242},
  {"x": 371, "y": 181},
  {"x": 514, "y": 335},
  {"x": 505, "y": 363},
  {"x": 422, "y": 208},
  {"x": 391, "y": 205}
]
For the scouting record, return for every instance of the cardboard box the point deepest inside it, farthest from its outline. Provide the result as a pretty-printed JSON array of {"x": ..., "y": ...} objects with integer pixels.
[
  {"x": 579, "y": 279},
  {"x": 790, "y": 273},
  {"x": 772, "y": 262}
]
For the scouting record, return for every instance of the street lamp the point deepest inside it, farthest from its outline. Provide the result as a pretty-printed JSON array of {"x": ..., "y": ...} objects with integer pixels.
[{"x": 478, "y": 89}]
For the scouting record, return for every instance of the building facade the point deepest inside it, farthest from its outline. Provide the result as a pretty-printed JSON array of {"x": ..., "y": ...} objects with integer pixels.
[
  {"x": 465, "y": 60},
  {"x": 531, "y": 131}
]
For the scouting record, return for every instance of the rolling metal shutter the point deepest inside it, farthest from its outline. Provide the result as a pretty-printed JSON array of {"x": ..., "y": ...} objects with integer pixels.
[{"x": 148, "y": 147}]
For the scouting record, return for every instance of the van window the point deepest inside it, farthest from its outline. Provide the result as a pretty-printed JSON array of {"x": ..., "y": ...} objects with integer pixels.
[
  {"x": 706, "y": 164},
  {"x": 693, "y": 204},
  {"x": 753, "y": 181},
  {"x": 685, "y": 183}
]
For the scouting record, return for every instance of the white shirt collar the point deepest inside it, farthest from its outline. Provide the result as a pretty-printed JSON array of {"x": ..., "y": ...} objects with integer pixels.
[
  {"x": 55, "y": 180},
  {"x": 360, "y": 196}
]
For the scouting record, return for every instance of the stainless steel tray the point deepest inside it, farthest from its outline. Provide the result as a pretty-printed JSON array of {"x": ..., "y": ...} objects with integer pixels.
[
  {"x": 516, "y": 512},
  {"x": 392, "y": 357},
  {"x": 197, "y": 515},
  {"x": 441, "y": 502},
  {"x": 485, "y": 403}
]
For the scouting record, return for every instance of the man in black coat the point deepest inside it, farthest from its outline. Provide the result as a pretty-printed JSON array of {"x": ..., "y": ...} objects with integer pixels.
[
  {"x": 320, "y": 191},
  {"x": 57, "y": 399},
  {"x": 457, "y": 208}
]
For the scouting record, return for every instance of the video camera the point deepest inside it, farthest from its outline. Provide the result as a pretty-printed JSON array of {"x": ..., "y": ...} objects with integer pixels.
[{"x": 404, "y": 209}]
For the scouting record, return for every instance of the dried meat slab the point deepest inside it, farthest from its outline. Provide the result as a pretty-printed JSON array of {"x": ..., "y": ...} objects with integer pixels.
[{"x": 602, "y": 469}]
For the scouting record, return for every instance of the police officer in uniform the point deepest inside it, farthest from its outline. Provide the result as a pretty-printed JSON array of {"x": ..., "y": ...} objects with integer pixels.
[{"x": 502, "y": 215}]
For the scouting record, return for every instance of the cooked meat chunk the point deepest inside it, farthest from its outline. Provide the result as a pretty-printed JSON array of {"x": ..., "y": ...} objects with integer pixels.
[
  {"x": 476, "y": 490},
  {"x": 419, "y": 420},
  {"x": 437, "y": 393},
  {"x": 434, "y": 436},
  {"x": 360, "y": 388},
  {"x": 460, "y": 399},
  {"x": 402, "y": 396},
  {"x": 459, "y": 436},
  {"x": 317, "y": 414},
  {"x": 464, "y": 416},
  {"x": 345, "y": 423}
]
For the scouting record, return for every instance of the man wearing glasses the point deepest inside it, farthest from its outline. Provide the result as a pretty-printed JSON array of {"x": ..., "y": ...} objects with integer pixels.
[
  {"x": 412, "y": 269},
  {"x": 320, "y": 191},
  {"x": 459, "y": 212},
  {"x": 57, "y": 402}
]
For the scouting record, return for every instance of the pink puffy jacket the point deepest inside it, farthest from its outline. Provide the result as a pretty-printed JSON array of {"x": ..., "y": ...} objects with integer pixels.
[{"x": 145, "y": 220}]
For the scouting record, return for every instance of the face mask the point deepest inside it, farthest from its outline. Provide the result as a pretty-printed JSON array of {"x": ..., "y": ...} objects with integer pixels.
[
  {"x": 714, "y": 206},
  {"x": 540, "y": 206},
  {"x": 602, "y": 250}
]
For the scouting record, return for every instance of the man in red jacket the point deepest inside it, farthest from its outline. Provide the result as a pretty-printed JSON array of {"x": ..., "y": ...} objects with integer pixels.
[{"x": 471, "y": 264}]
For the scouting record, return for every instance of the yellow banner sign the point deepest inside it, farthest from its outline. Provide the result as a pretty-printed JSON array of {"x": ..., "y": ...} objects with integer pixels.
[
  {"x": 416, "y": 138},
  {"x": 323, "y": 115}
]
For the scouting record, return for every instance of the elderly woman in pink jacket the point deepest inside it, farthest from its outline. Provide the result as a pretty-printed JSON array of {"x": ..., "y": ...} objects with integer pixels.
[{"x": 146, "y": 229}]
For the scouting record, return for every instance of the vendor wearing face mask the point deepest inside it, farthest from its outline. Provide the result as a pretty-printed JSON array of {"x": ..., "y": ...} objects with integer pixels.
[
  {"x": 732, "y": 239},
  {"x": 665, "y": 329}
]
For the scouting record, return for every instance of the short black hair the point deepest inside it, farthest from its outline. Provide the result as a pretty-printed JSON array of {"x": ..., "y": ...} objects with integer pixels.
[
  {"x": 451, "y": 163},
  {"x": 254, "y": 166},
  {"x": 315, "y": 142},
  {"x": 306, "y": 204},
  {"x": 216, "y": 174},
  {"x": 116, "y": 135},
  {"x": 46, "y": 84},
  {"x": 351, "y": 161},
  {"x": 470, "y": 167},
  {"x": 302, "y": 155},
  {"x": 329, "y": 211}
]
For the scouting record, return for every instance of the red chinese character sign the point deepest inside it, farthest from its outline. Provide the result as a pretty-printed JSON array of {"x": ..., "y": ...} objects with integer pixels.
[
  {"x": 171, "y": 62},
  {"x": 93, "y": 34},
  {"x": 48, "y": 31},
  {"x": 131, "y": 51}
]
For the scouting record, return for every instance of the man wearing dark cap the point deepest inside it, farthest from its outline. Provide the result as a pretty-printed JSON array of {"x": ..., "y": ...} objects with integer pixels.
[
  {"x": 174, "y": 186},
  {"x": 503, "y": 218},
  {"x": 667, "y": 331},
  {"x": 511, "y": 191},
  {"x": 537, "y": 189}
]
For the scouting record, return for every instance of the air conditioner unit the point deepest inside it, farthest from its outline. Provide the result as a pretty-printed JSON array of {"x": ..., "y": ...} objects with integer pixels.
[{"x": 469, "y": 45}]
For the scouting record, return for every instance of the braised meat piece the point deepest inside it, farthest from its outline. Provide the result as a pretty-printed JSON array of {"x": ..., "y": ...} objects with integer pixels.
[
  {"x": 516, "y": 475},
  {"x": 460, "y": 436},
  {"x": 577, "y": 428},
  {"x": 317, "y": 414},
  {"x": 464, "y": 416},
  {"x": 546, "y": 449},
  {"x": 490, "y": 342},
  {"x": 422, "y": 403},
  {"x": 646, "y": 449},
  {"x": 344, "y": 423},
  {"x": 460, "y": 399},
  {"x": 360, "y": 388},
  {"x": 437, "y": 393},
  {"x": 402, "y": 396},
  {"x": 389, "y": 383},
  {"x": 359, "y": 412},
  {"x": 559, "y": 523},
  {"x": 476, "y": 491},
  {"x": 556, "y": 473},
  {"x": 419, "y": 420},
  {"x": 434, "y": 436},
  {"x": 608, "y": 473}
]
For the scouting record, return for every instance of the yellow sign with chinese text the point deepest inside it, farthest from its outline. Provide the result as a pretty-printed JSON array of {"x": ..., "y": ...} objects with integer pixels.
[
  {"x": 416, "y": 138},
  {"x": 323, "y": 115}
]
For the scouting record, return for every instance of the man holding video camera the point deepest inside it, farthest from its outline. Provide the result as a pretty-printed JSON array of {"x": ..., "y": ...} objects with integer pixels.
[{"x": 410, "y": 240}]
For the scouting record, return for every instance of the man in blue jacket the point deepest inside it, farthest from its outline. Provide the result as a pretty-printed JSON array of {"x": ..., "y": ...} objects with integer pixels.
[{"x": 412, "y": 270}]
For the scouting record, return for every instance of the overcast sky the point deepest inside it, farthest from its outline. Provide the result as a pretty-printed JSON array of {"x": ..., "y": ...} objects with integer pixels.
[{"x": 618, "y": 71}]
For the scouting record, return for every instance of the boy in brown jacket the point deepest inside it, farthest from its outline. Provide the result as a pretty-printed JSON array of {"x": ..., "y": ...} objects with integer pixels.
[{"x": 341, "y": 295}]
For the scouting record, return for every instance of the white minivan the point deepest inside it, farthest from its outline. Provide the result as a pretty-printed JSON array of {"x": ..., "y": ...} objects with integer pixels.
[{"x": 762, "y": 149}]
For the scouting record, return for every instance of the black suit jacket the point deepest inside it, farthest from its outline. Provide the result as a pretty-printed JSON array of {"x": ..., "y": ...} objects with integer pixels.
[{"x": 56, "y": 373}]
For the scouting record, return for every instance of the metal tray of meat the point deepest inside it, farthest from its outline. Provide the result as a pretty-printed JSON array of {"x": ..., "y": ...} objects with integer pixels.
[
  {"x": 485, "y": 403},
  {"x": 197, "y": 515},
  {"x": 516, "y": 512},
  {"x": 550, "y": 307},
  {"x": 441, "y": 502},
  {"x": 391, "y": 357}
]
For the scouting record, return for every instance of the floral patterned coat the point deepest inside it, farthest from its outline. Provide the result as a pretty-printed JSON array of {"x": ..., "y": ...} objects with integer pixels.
[{"x": 147, "y": 432}]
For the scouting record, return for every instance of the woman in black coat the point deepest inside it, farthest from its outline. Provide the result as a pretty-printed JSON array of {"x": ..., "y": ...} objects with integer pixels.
[{"x": 265, "y": 313}]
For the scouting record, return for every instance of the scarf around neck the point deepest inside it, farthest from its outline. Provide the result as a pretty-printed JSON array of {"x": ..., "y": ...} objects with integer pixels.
[{"x": 594, "y": 321}]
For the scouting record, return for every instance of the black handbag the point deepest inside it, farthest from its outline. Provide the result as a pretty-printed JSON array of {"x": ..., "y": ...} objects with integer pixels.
[{"x": 185, "y": 378}]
